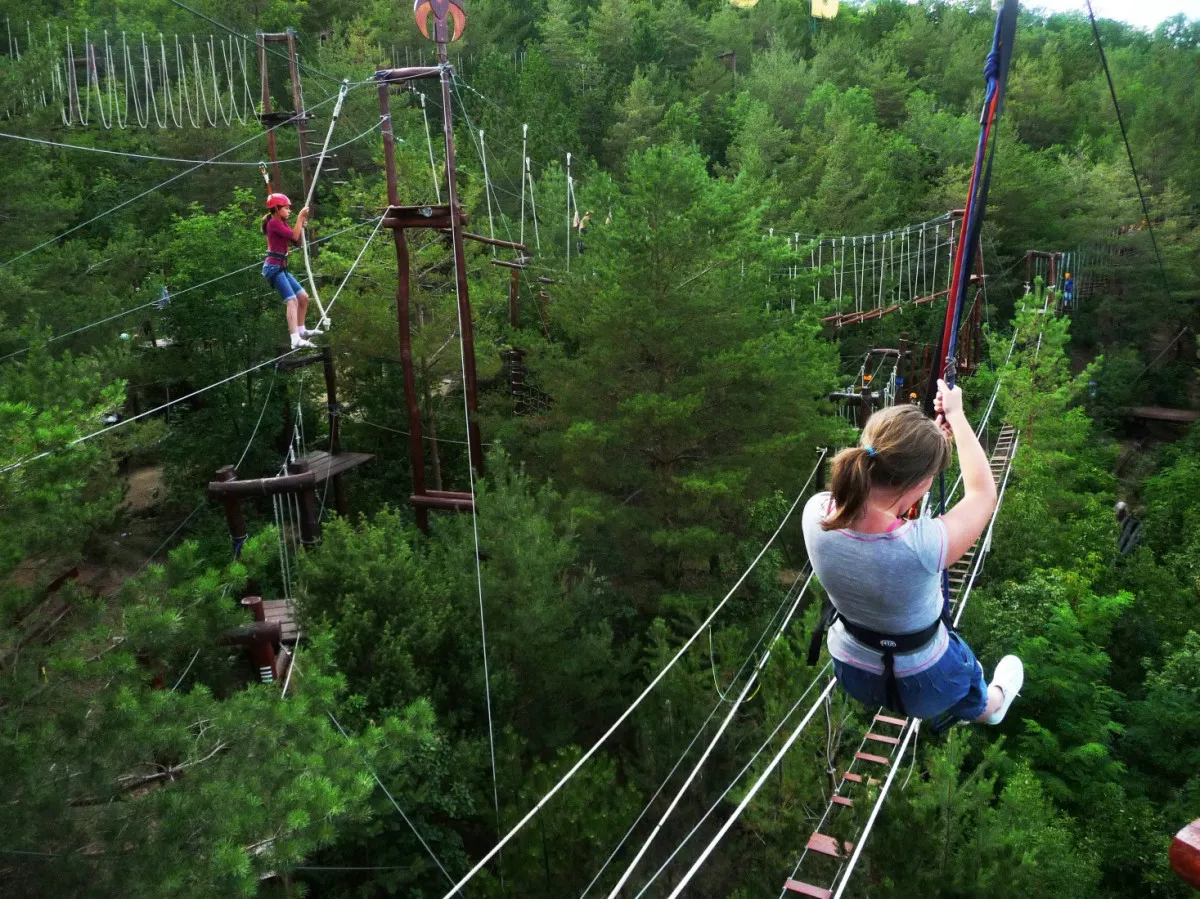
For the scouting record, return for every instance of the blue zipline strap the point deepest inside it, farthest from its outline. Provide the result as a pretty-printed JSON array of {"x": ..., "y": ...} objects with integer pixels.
[{"x": 995, "y": 71}]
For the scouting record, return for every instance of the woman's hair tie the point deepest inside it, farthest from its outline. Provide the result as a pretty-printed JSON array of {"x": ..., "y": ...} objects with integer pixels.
[{"x": 870, "y": 451}]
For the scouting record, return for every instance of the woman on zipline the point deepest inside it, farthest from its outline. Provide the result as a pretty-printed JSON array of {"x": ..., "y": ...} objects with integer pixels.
[
  {"x": 280, "y": 238},
  {"x": 889, "y": 639}
]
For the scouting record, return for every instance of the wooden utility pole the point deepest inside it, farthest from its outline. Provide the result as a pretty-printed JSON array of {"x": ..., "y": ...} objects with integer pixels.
[{"x": 448, "y": 20}]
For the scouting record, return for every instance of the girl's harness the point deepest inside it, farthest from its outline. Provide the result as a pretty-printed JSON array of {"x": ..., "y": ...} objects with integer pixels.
[{"x": 887, "y": 644}]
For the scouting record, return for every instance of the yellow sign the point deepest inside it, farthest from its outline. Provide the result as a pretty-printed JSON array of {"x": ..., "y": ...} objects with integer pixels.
[
  {"x": 744, "y": 4},
  {"x": 824, "y": 9}
]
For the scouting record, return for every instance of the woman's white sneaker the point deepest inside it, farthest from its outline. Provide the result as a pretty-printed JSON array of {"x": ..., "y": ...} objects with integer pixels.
[{"x": 1009, "y": 676}]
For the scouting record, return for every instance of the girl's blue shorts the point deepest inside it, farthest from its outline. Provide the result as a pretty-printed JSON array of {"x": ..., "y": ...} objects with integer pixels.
[
  {"x": 952, "y": 687},
  {"x": 283, "y": 282}
]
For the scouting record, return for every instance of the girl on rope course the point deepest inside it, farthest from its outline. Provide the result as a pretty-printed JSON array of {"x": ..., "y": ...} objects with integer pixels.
[
  {"x": 280, "y": 238},
  {"x": 890, "y": 640}
]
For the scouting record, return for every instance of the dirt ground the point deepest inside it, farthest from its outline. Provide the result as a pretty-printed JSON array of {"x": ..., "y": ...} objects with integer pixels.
[{"x": 145, "y": 487}]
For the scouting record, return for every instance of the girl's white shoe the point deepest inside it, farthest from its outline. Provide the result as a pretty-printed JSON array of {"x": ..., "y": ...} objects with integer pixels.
[{"x": 1009, "y": 676}]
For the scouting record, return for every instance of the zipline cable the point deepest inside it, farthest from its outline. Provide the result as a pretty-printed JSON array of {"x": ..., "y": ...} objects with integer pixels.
[
  {"x": 459, "y": 280},
  {"x": 699, "y": 731},
  {"x": 641, "y": 696},
  {"x": 197, "y": 162},
  {"x": 354, "y": 265},
  {"x": 177, "y": 293},
  {"x": 1129, "y": 151},
  {"x": 323, "y": 321},
  {"x": 825, "y": 693},
  {"x": 395, "y": 804},
  {"x": 14, "y": 466}
]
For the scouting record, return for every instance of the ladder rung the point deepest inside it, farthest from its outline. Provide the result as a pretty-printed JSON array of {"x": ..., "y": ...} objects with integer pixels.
[
  {"x": 842, "y": 800},
  {"x": 880, "y": 738},
  {"x": 858, "y": 778},
  {"x": 877, "y": 759},
  {"x": 807, "y": 889},
  {"x": 827, "y": 845},
  {"x": 899, "y": 722}
]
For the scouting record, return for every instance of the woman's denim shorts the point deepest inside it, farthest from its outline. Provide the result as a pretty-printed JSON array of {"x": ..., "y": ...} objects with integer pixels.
[
  {"x": 953, "y": 686},
  {"x": 283, "y": 282}
]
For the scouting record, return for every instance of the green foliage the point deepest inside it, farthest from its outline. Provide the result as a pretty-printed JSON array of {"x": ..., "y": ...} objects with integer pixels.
[
  {"x": 58, "y": 491},
  {"x": 984, "y": 839},
  {"x": 128, "y": 786},
  {"x": 669, "y": 379},
  {"x": 681, "y": 397}
]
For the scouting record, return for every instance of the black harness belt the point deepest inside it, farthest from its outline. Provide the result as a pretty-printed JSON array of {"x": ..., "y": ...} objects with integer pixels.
[{"x": 887, "y": 644}]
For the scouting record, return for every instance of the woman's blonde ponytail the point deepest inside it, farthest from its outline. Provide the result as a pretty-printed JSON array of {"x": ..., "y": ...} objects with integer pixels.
[
  {"x": 901, "y": 447},
  {"x": 850, "y": 487}
]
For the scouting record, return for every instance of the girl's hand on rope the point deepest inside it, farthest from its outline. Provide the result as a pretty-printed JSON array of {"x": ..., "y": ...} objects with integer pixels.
[
  {"x": 947, "y": 402},
  {"x": 303, "y": 216}
]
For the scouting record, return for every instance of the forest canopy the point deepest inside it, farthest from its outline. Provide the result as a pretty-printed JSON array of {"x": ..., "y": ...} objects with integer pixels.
[{"x": 710, "y": 229}]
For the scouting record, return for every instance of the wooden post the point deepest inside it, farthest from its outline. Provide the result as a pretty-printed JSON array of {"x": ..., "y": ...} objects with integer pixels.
[
  {"x": 466, "y": 325},
  {"x": 266, "y": 108},
  {"x": 310, "y": 522},
  {"x": 259, "y": 639},
  {"x": 306, "y": 164},
  {"x": 403, "y": 311},
  {"x": 513, "y": 284},
  {"x": 866, "y": 398},
  {"x": 233, "y": 511},
  {"x": 1051, "y": 283}
]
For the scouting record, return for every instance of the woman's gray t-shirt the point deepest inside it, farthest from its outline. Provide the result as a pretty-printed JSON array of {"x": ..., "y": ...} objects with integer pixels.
[{"x": 889, "y": 583}]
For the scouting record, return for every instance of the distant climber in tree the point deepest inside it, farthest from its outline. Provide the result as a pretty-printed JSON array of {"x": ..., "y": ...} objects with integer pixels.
[
  {"x": 888, "y": 630},
  {"x": 280, "y": 238},
  {"x": 581, "y": 226},
  {"x": 1131, "y": 529},
  {"x": 1068, "y": 292}
]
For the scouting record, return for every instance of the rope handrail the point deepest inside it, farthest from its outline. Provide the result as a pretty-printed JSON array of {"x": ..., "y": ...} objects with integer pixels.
[
  {"x": 750, "y": 682},
  {"x": 198, "y": 162},
  {"x": 721, "y": 700}
]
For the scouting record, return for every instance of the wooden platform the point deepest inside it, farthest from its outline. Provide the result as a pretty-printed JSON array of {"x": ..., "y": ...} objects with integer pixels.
[
  {"x": 324, "y": 466},
  {"x": 281, "y": 610},
  {"x": 1158, "y": 413}
]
